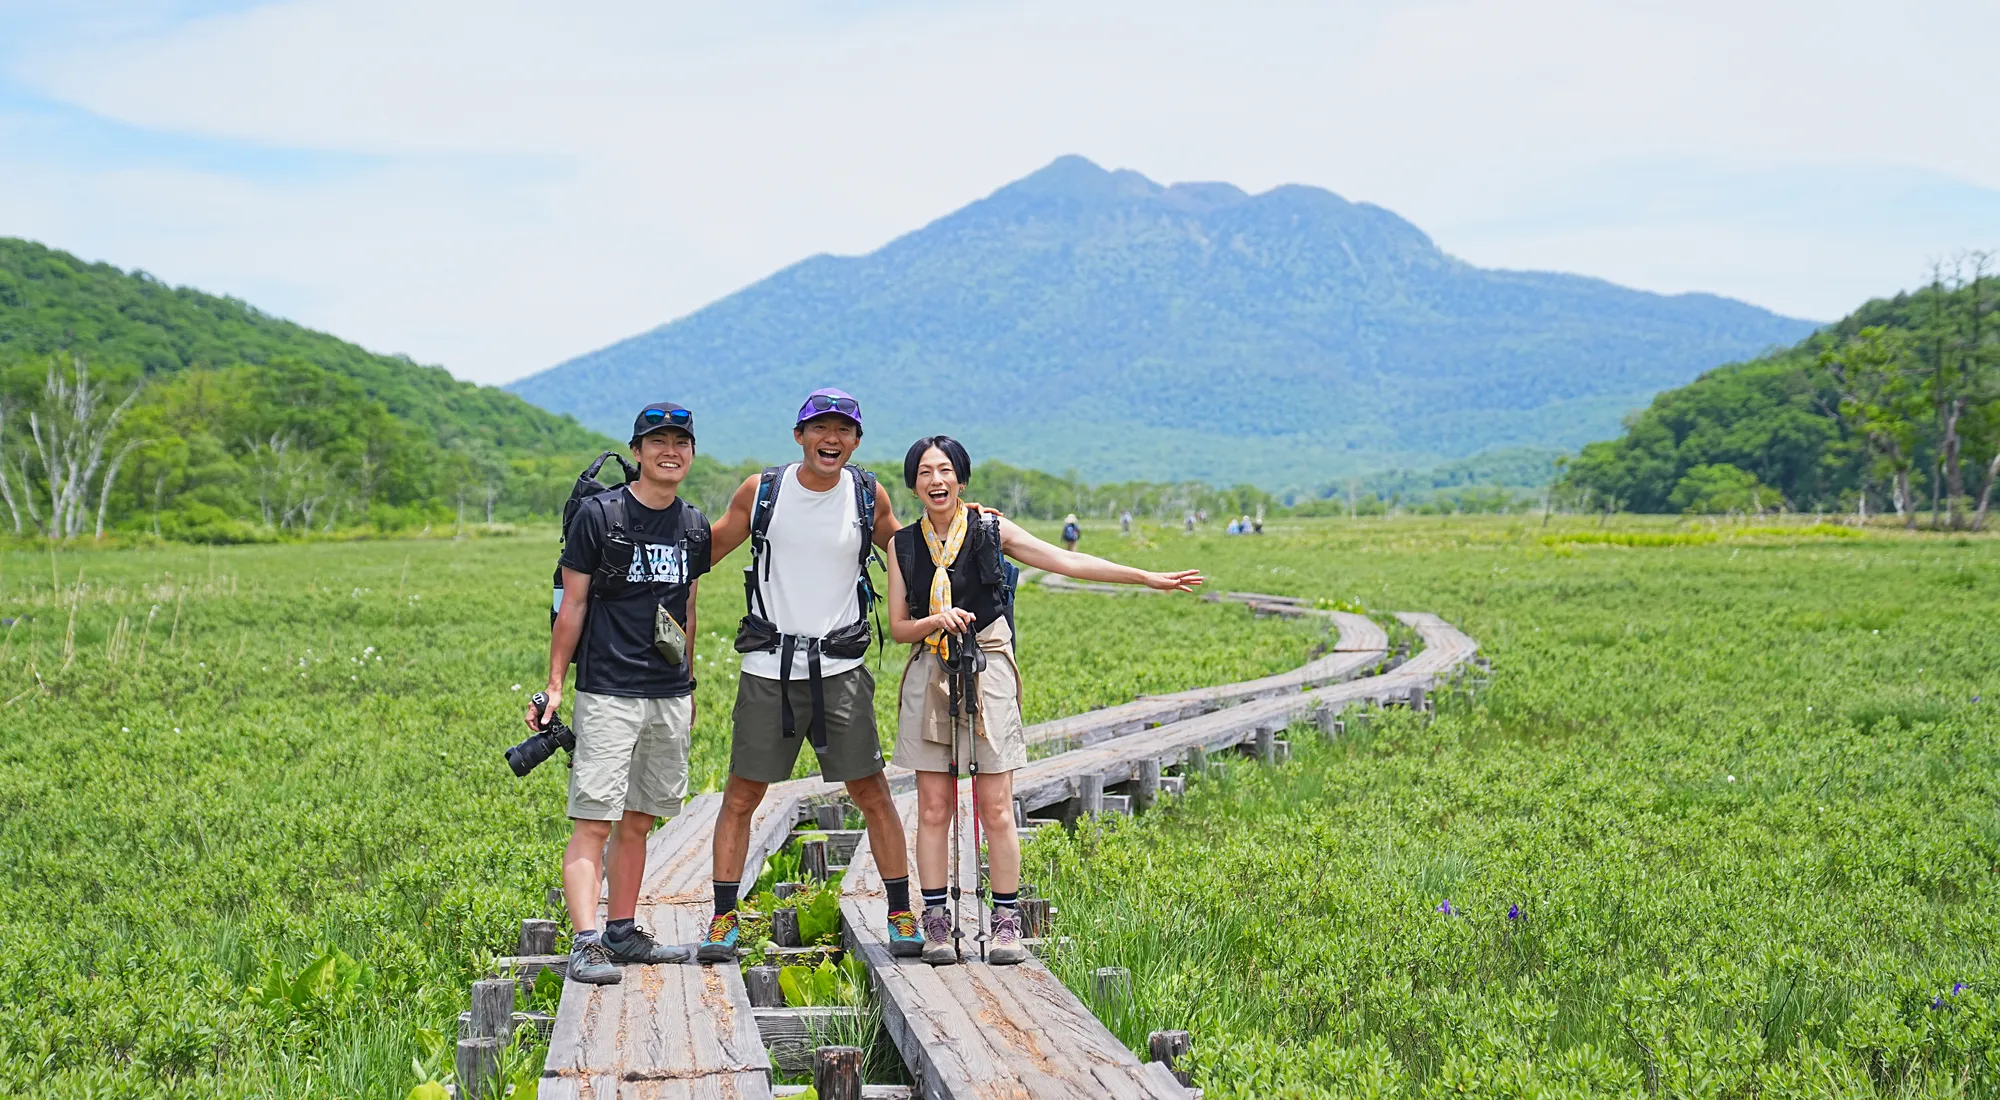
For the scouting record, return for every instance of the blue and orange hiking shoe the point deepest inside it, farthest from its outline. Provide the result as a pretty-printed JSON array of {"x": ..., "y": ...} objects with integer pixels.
[
  {"x": 905, "y": 940},
  {"x": 720, "y": 946}
]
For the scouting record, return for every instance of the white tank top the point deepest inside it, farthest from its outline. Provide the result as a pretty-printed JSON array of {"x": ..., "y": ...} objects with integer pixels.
[{"x": 815, "y": 559}]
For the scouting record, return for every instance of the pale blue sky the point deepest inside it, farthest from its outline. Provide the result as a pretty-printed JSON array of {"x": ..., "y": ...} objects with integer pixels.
[{"x": 496, "y": 186}]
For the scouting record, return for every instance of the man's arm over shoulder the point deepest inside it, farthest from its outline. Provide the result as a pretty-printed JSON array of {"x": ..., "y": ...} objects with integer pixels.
[{"x": 728, "y": 533}]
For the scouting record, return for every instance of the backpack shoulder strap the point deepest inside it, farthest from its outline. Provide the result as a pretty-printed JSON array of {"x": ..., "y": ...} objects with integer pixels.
[
  {"x": 768, "y": 484},
  {"x": 695, "y": 528},
  {"x": 865, "y": 489}
]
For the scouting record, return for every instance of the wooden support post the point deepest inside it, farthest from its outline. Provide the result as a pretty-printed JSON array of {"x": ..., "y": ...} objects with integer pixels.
[
  {"x": 1020, "y": 814},
  {"x": 830, "y": 817},
  {"x": 1267, "y": 744},
  {"x": 1167, "y": 1047},
  {"x": 812, "y": 859},
  {"x": 785, "y": 889},
  {"x": 1174, "y": 785},
  {"x": 1146, "y": 790},
  {"x": 765, "y": 992},
  {"x": 538, "y": 937},
  {"x": 837, "y": 1073},
  {"x": 1115, "y": 804},
  {"x": 1417, "y": 699},
  {"x": 478, "y": 1065},
  {"x": 1281, "y": 751},
  {"x": 493, "y": 1009},
  {"x": 785, "y": 928},
  {"x": 1090, "y": 794},
  {"x": 1034, "y": 917},
  {"x": 558, "y": 905},
  {"x": 1112, "y": 985}
]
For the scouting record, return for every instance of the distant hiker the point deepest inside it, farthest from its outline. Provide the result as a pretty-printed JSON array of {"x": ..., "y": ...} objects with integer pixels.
[
  {"x": 1257, "y": 524},
  {"x": 1190, "y": 523},
  {"x": 631, "y": 563},
  {"x": 803, "y": 637},
  {"x": 1125, "y": 522},
  {"x": 1071, "y": 532},
  {"x": 1232, "y": 529},
  {"x": 948, "y": 588}
]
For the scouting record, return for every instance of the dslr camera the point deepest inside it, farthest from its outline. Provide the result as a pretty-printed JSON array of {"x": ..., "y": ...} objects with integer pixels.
[{"x": 529, "y": 755}]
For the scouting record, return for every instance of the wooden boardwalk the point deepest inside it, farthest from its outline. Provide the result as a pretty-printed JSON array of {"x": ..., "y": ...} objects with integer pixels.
[{"x": 688, "y": 1031}]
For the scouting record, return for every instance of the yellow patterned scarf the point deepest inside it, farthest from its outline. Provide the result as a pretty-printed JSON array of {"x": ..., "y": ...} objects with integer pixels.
[{"x": 944, "y": 551}]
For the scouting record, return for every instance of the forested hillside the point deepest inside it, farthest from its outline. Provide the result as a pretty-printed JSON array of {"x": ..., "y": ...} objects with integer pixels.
[
  {"x": 1099, "y": 321},
  {"x": 1894, "y": 409},
  {"x": 126, "y": 404}
]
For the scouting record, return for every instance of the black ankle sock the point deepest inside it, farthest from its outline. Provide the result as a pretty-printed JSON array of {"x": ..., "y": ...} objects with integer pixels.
[
  {"x": 899, "y": 893},
  {"x": 619, "y": 929},
  {"x": 934, "y": 899},
  {"x": 588, "y": 935},
  {"x": 1006, "y": 901},
  {"x": 725, "y": 897}
]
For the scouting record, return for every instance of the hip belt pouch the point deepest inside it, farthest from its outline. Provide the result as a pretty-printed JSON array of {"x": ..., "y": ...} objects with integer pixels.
[{"x": 848, "y": 642}]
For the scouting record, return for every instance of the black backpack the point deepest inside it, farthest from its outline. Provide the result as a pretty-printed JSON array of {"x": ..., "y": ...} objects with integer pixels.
[{"x": 613, "y": 501}]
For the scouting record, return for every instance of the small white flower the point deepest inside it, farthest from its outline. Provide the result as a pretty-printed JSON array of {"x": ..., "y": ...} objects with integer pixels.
[
  {"x": 354, "y": 677},
  {"x": 124, "y": 729},
  {"x": 516, "y": 687},
  {"x": 1732, "y": 779},
  {"x": 1874, "y": 632},
  {"x": 177, "y": 729}
]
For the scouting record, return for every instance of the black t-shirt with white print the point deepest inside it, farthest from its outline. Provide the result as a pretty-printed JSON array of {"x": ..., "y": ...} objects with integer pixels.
[{"x": 651, "y": 565}]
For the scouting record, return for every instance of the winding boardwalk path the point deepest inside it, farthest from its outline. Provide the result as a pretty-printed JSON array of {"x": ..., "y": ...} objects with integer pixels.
[{"x": 688, "y": 1032}]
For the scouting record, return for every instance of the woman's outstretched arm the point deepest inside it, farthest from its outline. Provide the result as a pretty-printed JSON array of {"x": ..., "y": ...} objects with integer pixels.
[{"x": 1029, "y": 550}]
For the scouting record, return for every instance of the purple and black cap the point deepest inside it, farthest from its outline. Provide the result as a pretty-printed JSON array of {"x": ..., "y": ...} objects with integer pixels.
[
  {"x": 829, "y": 400},
  {"x": 659, "y": 416}
]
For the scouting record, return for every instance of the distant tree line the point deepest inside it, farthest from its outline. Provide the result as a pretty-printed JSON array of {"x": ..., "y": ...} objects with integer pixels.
[{"x": 1894, "y": 409}]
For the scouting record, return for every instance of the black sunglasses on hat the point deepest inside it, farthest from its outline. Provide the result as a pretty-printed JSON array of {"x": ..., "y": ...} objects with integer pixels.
[{"x": 662, "y": 414}]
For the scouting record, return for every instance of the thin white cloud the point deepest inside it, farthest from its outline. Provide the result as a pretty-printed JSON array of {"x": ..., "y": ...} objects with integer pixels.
[{"x": 550, "y": 178}]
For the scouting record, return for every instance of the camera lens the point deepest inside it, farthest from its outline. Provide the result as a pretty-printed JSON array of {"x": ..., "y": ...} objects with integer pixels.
[{"x": 528, "y": 755}]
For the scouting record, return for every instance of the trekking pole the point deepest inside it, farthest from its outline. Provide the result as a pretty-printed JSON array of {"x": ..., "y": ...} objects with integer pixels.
[
  {"x": 957, "y": 828},
  {"x": 971, "y": 690}
]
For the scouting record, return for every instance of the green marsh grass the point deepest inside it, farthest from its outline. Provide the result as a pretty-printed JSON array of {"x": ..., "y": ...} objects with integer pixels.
[{"x": 1737, "y": 794}]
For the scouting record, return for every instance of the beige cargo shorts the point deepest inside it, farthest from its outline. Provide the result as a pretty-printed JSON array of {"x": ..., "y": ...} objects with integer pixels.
[
  {"x": 923, "y": 718},
  {"x": 631, "y": 754}
]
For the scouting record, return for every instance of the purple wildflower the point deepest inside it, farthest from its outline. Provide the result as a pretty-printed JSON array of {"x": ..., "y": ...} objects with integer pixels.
[
  {"x": 1514, "y": 911},
  {"x": 1937, "y": 1002},
  {"x": 1446, "y": 908},
  {"x": 1957, "y": 988}
]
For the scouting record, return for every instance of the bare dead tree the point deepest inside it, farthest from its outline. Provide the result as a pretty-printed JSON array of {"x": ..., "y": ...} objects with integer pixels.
[{"x": 70, "y": 431}]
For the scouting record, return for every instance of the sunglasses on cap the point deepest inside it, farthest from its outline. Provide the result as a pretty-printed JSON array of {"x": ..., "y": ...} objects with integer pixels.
[
  {"x": 821, "y": 403},
  {"x": 679, "y": 418}
]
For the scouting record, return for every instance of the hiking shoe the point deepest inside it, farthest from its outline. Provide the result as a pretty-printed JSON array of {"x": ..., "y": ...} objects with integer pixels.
[
  {"x": 905, "y": 941},
  {"x": 720, "y": 946},
  {"x": 1006, "y": 948},
  {"x": 640, "y": 947},
  {"x": 590, "y": 963},
  {"x": 938, "y": 950}
]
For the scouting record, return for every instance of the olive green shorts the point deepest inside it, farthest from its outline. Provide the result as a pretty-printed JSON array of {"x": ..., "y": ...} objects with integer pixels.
[{"x": 759, "y": 749}]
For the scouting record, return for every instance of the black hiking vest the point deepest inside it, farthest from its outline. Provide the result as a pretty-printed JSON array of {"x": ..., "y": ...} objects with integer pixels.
[{"x": 981, "y": 578}]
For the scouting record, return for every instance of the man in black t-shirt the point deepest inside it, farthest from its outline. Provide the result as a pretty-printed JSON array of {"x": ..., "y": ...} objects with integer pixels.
[{"x": 631, "y": 555}]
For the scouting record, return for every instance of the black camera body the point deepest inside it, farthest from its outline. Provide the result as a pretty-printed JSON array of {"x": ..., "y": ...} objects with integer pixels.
[{"x": 531, "y": 753}]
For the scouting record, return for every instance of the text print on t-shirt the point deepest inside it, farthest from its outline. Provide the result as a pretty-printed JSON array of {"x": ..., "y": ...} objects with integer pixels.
[{"x": 658, "y": 564}]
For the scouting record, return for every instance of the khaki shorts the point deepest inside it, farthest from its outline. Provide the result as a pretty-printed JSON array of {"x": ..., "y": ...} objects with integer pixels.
[
  {"x": 760, "y": 751},
  {"x": 631, "y": 755},
  {"x": 923, "y": 713}
]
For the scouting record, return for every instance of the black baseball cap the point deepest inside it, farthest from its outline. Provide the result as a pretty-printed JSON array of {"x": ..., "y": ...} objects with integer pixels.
[{"x": 662, "y": 414}]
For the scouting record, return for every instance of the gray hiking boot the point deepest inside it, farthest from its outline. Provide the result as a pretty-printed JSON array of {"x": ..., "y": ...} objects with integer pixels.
[
  {"x": 590, "y": 963},
  {"x": 938, "y": 950},
  {"x": 640, "y": 947},
  {"x": 1006, "y": 948}
]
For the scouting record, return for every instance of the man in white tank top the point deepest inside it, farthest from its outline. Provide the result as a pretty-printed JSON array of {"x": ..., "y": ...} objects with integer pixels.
[{"x": 808, "y": 572}]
